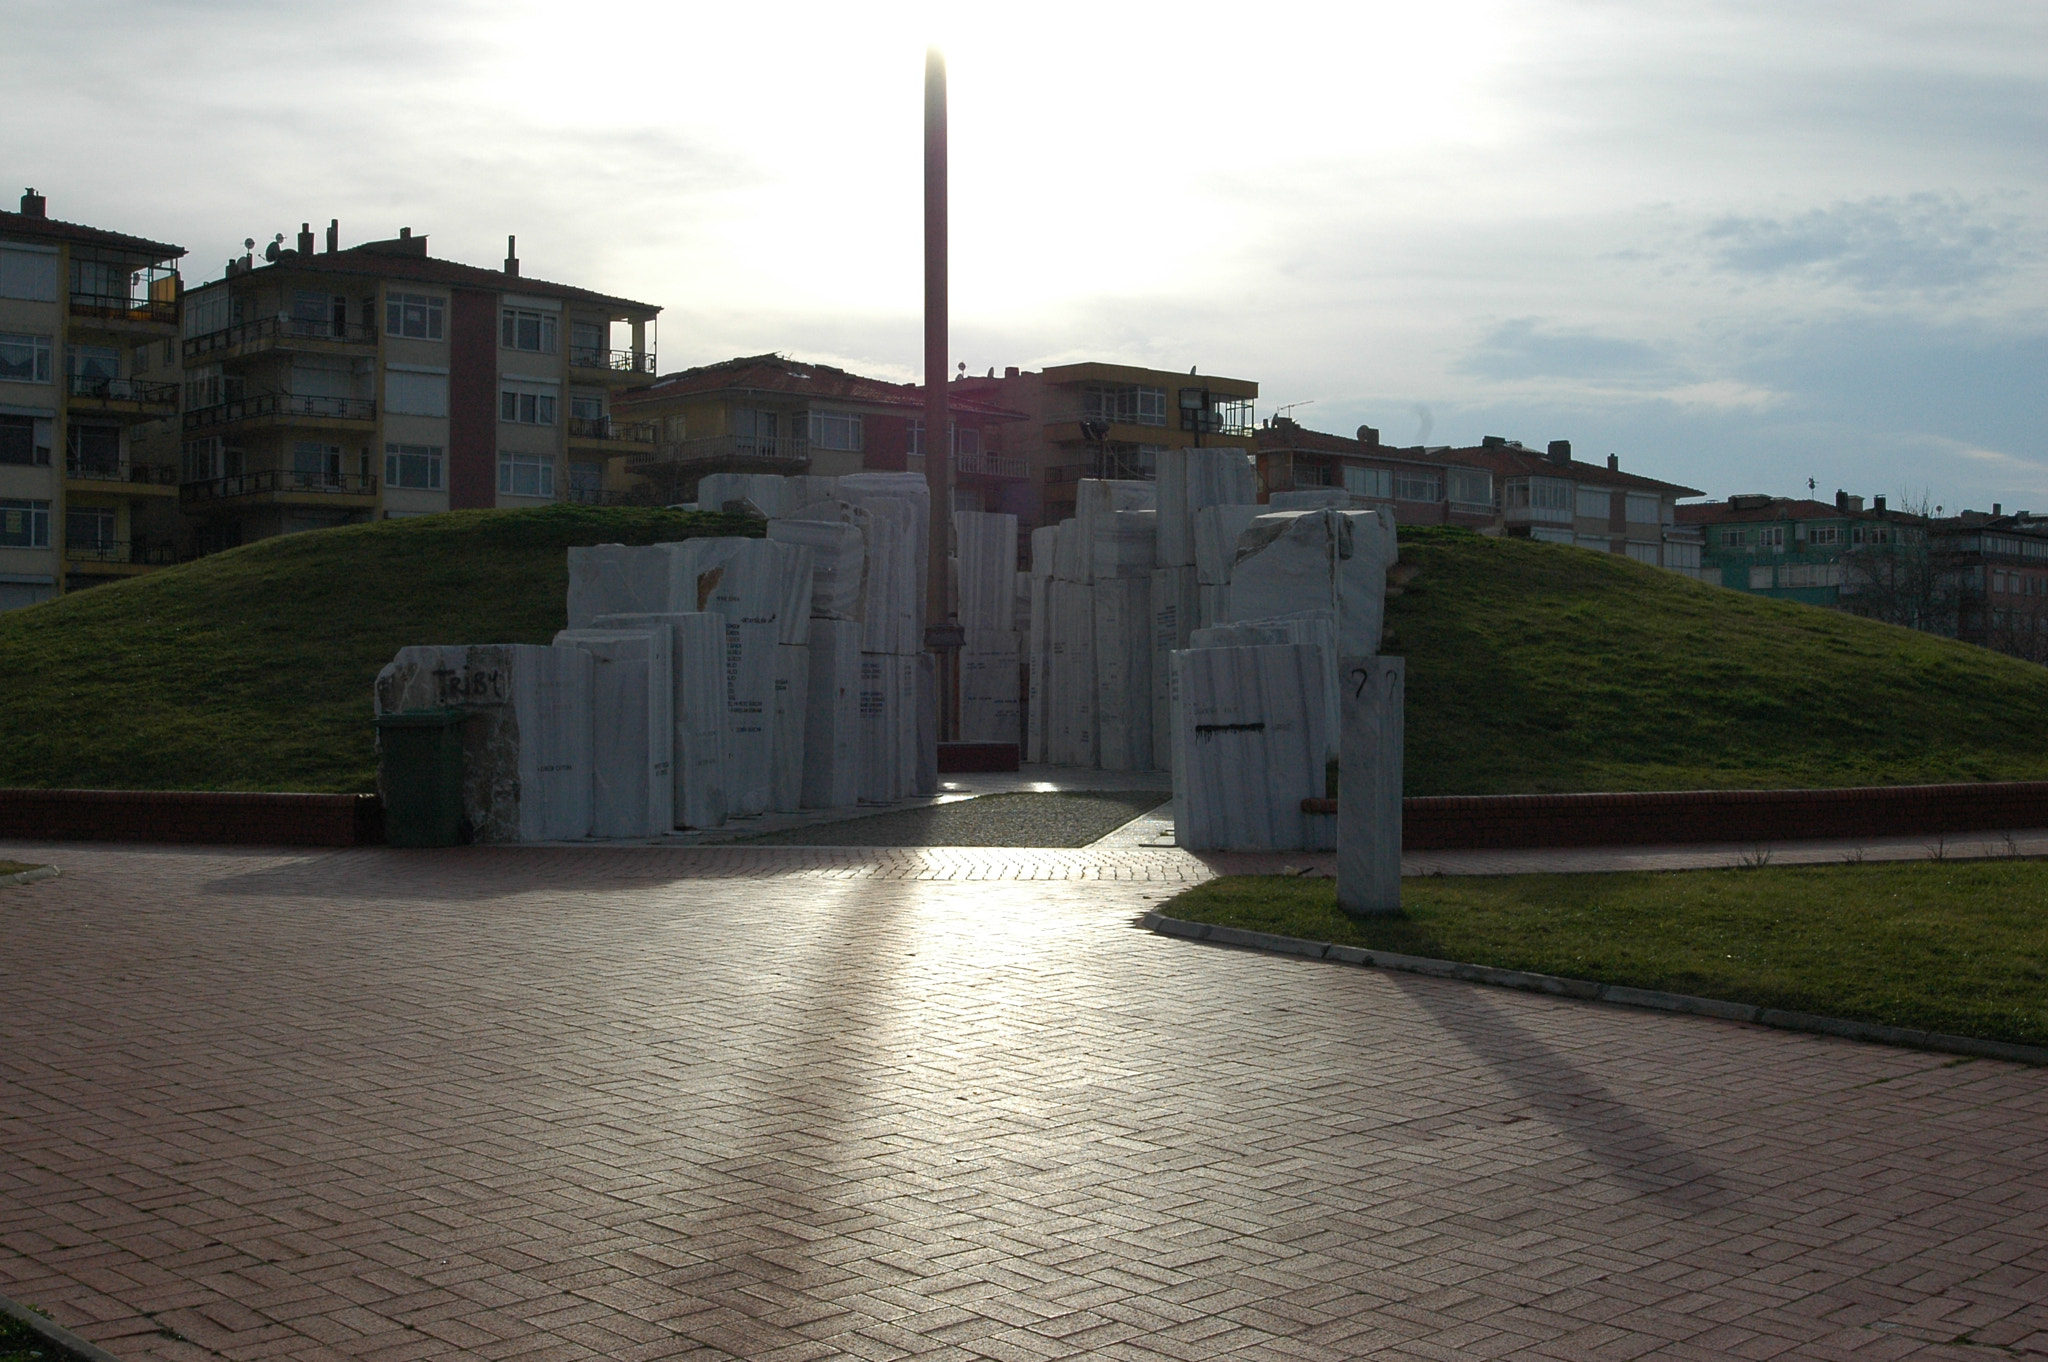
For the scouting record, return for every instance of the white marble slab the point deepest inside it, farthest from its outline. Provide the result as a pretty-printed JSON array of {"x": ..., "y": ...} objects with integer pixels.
[
  {"x": 1248, "y": 746},
  {"x": 1317, "y": 628},
  {"x": 749, "y": 581},
  {"x": 1044, "y": 543},
  {"x": 632, "y": 712},
  {"x": 924, "y": 695},
  {"x": 1070, "y": 701},
  {"x": 988, "y": 696},
  {"x": 792, "y": 691},
  {"x": 526, "y": 748},
  {"x": 1369, "y": 796},
  {"x": 1191, "y": 479},
  {"x": 1123, "y": 544},
  {"x": 832, "y": 761},
  {"x": 617, "y": 579},
  {"x": 1038, "y": 672},
  {"x": 1175, "y": 610},
  {"x": 1216, "y": 532},
  {"x": 1123, "y": 673},
  {"x": 986, "y": 602},
  {"x": 1315, "y": 498},
  {"x": 747, "y": 734},
  {"x": 881, "y": 729},
  {"x": 1292, "y": 562},
  {"x": 697, "y": 669},
  {"x": 905, "y": 499}
]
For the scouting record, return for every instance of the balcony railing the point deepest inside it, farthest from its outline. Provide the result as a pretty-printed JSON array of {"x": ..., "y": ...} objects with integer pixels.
[
  {"x": 605, "y": 428},
  {"x": 278, "y": 480},
  {"x": 617, "y": 361},
  {"x": 992, "y": 465},
  {"x": 120, "y": 307},
  {"x": 759, "y": 450},
  {"x": 260, "y": 405},
  {"x": 122, "y": 390},
  {"x": 119, "y": 551},
  {"x": 120, "y": 470},
  {"x": 278, "y": 329}
]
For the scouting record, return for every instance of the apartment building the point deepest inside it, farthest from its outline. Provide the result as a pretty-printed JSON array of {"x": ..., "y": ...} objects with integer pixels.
[
  {"x": 1096, "y": 420},
  {"x": 1999, "y": 564},
  {"x": 1424, "y": 486},
  {"x": 329, "y": 387},
  {"x": 88, "y": 395},
  {"x": 772, "y": 414}
]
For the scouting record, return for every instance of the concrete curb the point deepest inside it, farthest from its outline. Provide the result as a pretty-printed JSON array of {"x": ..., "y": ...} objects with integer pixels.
[
  {"x": 55, "y": 1334},
  {"x": 41, "y": 872},
  {"x": 1586, "y": 989}
]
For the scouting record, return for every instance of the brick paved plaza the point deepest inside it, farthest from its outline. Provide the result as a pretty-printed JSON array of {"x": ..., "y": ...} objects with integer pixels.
[{"x": 638, "y": 1103}]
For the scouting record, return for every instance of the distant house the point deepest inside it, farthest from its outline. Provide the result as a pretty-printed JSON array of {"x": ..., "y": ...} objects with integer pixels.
[
  {"x": 1498, "y": 487},
  {"x": 1871, "y": 561},
  {"x": 772, "y": 414},
  {"x": 1999, "y": 564}
]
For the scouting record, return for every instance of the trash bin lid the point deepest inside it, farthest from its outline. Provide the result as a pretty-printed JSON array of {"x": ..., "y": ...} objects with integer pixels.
[{"x": 422, "y": 718}]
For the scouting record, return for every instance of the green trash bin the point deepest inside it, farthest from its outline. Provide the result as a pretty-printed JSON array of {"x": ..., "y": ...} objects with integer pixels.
[{"x": 420, "y": 774}]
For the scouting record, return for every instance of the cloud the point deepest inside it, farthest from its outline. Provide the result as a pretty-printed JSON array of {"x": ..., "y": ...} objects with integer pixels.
[
  {"x": 1880, "y": 245},
  {"x": 1524, "y": 349}
]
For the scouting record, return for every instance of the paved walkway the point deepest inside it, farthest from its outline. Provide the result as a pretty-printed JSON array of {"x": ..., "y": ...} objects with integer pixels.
[{"x": 645, "y": 1103}]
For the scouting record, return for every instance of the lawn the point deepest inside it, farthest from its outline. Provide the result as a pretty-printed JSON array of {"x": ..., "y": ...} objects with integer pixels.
[
  {"x": 1539, "y": 667},
  {"x": 8, "y": 867},
  {"x": 19, "y": 1343},
  {"x": 251, "y": 669},
  {"x": 1954, "y": 946}
]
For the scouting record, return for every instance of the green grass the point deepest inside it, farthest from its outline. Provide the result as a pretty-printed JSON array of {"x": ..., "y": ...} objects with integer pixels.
[
  {"x": 1960, "y": 947},
  {"x": 8, "y": 867},
  {"x": 19, "y": 1343},
  {"x": 1531, "y": 667},
  {"x": 251, "y": 669},
  {"x": 1537, "y": 667}
]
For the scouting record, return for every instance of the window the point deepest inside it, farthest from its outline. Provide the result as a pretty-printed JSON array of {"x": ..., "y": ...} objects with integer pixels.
[
  {"x": 416, "y": 466},
  {"x": 318, "y": 314},
  {"x": 99, "y": 281},
  {"x": 24, "y": 358},
  {"x": 1760, "y": 578},
  {"x": 1415, "y": 486},
  {"x": 26, "y": 440},
  {"x": 207, "y": 310},
  {"x": 414, "y": 316},
  {"x": 1643, "y": 553},
  {"x": 528, "y": 404},
  {"x": 1821, "y": 536},
  {"x": 315, "y": 464},
  {"x": 1369, "y": 482},
  {"x": 28, "y": 274},
  {"x": 24, "y": 524},
  {"x": 1731, "y": 536},
  {"x": 587, "y": 345},
  {"x": 1643, "y": 509},
  {"x": 140, "y": 362},
  {"x": 585, "y": 405},
  {"x": 1594, "y": 503},
  {"x": 415, "y": 394},
  {"x": 93, "y": 451},
  {"x": 965, "y": 441},
  {"x": 1471, "y": 487},
  {"x": 586, "y": 477},
  {"x": 89, "y": 527},
  {"x": 92, "y": 361},
  {"x": 972, "y": 438},
  {"x": 1771, "y": 537},
  {"x": 835, "y": 430},
  {"x": 1128, "y": 403},
  {"x": 527, "y": 330},
  {"x": 526, "y": 475},
  {"x": 1539, "y": 494}
]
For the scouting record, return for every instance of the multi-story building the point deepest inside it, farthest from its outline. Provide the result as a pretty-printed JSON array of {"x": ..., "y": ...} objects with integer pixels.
[
  {"x": 344, "y": 385},
  {"x": 1104, "y": 421},
  {"x": 88, "y": 320},
  {"x": 1842, "y": 556},
  {"x": 772, "y": 414},
  {"x": 1424, "y": 486},
  {"x": 1999, "y": 565}
]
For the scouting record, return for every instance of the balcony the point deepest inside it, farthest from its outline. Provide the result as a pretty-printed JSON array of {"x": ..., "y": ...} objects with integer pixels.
[
  {"x": 121, "y": 396},
  {"x": 119, "y": 553},
  {"x": 282, "y": 485},
  {"x": 285, "y": 409},
  {"x": 126, "y": 313},
  {"x": 732, "y": 453},
  {"x": 615, "y": 363},
  {"x": 119, "y": 475},
  {"x": 317, "y": 335},
  {"x": 992, "y": 466},
  {"x": 606, "y": 431}
]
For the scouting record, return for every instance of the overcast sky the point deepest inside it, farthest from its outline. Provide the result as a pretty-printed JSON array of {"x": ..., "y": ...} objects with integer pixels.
[{"x": 1739, "y": 245}]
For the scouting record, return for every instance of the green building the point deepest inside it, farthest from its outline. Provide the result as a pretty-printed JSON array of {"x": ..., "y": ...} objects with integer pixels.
[{"x": 1841, "y": 556}]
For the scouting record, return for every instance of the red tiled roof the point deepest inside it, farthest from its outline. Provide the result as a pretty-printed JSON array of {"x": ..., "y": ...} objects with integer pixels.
[
  {"x": 1506, "y": 460},
  {"x": 1779, "y": 508},
  {"x": 773, "y": 373},
  {"x": 368, "y": 261},
  {"x": 49, "y": 229}
]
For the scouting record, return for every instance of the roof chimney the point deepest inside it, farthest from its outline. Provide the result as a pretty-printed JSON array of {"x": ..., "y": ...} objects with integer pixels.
[
  {"x": 1613, "y": 463},
  {"x": 1560, "y": 451},
  {"x": 305, "y": 238},
  {"x": 1493, "y": 441},
  {"x": 32, "y": 204},
  {"x": 333, "y": 235},
  {"x": 1998, "y": 508},
  {"x": 512, "y": 256},
  {"x": 1877, "y": 504},
  {"x": 405, "y": 234},
  {"x": 1368, "y": 437}
]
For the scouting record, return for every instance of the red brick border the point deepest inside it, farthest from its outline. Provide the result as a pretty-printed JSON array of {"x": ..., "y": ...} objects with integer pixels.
[
  {"x": 1467, "y": 822},
  {"x": 315, "y": 820}
]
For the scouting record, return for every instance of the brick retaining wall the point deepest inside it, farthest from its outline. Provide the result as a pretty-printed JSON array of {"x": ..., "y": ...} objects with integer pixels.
[
  {"x": 312, "y": 820},
  {"x": 1470, "y": 822}
]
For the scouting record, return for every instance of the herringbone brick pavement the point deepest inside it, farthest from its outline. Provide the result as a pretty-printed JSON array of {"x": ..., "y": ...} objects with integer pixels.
[{"x": 648, "y": 1104}]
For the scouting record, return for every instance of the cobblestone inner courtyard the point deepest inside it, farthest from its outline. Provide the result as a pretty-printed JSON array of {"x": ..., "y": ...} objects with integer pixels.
[{"x": 640, "y": 1103}]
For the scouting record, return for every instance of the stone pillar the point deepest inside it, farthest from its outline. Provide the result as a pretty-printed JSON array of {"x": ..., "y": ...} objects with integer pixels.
[{"x": 1369, "y": 789}]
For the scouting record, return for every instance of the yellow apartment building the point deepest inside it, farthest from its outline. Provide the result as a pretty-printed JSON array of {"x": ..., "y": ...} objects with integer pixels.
[{"x": 88, "y": 401}]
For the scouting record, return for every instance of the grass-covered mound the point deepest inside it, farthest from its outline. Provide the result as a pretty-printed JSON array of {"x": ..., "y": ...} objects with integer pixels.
[
  {"x": 1530, "y": 666},
  {"x": 251, "y": 669},
  {"x": 1954, "y": 946},
  {"x": 1537, "y": 667}
]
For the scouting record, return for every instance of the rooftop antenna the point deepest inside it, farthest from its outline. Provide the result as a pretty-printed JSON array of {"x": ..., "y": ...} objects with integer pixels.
[{"x": 1305, "y": 402}]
